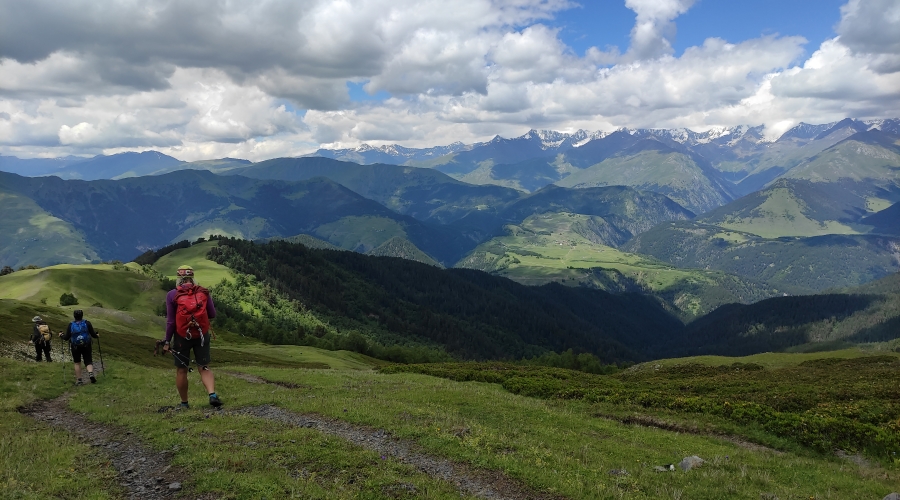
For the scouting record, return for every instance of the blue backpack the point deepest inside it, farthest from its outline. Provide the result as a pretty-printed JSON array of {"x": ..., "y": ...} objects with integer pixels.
[{"x": 80, "y": 334}]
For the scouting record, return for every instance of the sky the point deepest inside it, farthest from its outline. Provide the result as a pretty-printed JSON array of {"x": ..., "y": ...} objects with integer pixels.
[{"x": 201, "y": 79}]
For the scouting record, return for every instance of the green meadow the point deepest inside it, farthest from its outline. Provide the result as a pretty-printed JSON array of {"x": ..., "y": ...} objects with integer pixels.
[
  {"x": 782, "y": 214},
  {"x": 530, "y": 424},
  {"x": 549, "y": 247}
]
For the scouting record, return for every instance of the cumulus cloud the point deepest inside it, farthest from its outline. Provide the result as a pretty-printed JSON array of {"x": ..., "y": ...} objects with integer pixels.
[
  {"x": 206, "y": 78},
  {"x": 654, "y": 28},
  {"x": 872, "y": 27}
]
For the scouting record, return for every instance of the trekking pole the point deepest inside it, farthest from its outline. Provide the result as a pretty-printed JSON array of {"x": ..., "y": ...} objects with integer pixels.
[
  {"x": 62, "y": 359},
  {"x": 100, "y": 348}
]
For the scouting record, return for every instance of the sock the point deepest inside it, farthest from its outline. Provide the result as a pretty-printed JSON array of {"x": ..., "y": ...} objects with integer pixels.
[{"x": 212, "y": 394}]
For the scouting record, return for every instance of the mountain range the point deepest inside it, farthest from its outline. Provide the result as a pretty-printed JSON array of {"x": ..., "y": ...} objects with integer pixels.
[{"x": 661, "y": 211}]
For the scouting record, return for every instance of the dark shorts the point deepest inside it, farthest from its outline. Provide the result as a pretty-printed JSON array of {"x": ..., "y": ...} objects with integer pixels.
[
  {"x": 182, "y": 348},
  {"x": 82, "y": 351}
]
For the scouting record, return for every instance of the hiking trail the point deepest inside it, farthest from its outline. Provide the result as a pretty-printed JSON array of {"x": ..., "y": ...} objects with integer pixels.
[
  {"x": 145, "y": 474},
  {"x": 490, "y": 485}
]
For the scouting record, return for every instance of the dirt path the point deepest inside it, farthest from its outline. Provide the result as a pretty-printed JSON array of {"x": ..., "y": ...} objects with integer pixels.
[
  {"x": 491, "y": 485},
  {"x": 145, "y": 474}
]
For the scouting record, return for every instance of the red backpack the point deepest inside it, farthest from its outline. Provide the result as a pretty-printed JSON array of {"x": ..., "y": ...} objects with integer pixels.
[{"x": 190, "y": 310}]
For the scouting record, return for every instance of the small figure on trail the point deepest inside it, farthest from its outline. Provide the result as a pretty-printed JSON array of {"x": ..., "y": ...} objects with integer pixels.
[
  {"x": 189, "y": 307},
  {"x": 40, "y": 337},
  {"x": 79, "y": 333}
]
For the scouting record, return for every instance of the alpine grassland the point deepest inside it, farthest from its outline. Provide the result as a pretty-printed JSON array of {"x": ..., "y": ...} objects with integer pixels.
[
  {"x": 566, "y": 248},
  {"x": 777, "y": 425}
]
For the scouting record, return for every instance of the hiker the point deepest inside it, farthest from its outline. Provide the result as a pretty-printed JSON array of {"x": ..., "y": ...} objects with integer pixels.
[
  {"x": 189, "y": 307},
  {"x": 40, "y": 337},
  {"x": 79, "y": 333}
]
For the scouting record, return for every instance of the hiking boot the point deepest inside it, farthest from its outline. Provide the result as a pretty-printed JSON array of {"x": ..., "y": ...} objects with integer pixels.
[
  {"x": 79, "y": 382},
  {"x": 93, "y": 380},
  {"x": 214, "y": 400},
  {"x": 182, "y": 406}
]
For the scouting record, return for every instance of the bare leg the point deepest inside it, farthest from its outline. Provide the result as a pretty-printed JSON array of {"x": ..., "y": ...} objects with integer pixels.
[
  {"x": 77, "y": 371},
  {"x": 209, "y": 381},
  {"x": 181, "y": 382},
  {"x": 90, "y": 369}
]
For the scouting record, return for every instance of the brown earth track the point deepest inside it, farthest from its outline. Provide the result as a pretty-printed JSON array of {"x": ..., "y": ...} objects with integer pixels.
[
  {"x": 490, "y": 485},
  {"x": 143, "y": 473}
]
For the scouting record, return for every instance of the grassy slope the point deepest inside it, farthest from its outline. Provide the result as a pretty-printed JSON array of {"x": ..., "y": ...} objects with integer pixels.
[
  {"x": 30, "y": 235},
  {"x": 90, "y": 283},
  {"x": 852, "y": 159},
  {"x": 360, "y": 234},
  {"x": 555, "y": 446},
  {"x": 548, "y": 247},
  {"x": 675, "y": 175},
  {"x": 768, "y": 359},
  {"x": 207, "y": 272},
  {"x": 783, "y": 214}
]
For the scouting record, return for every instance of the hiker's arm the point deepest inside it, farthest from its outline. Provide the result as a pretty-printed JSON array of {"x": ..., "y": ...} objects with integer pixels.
[
  {"x": 170, "y": 316},
  {"x": 210, "y": 308},
  {"x": 68, "y": 334},
  {"x": 91, "y": 330}
]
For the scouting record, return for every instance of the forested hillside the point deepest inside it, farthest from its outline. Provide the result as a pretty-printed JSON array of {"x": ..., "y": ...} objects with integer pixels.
[{"x": 471, "y": 314}]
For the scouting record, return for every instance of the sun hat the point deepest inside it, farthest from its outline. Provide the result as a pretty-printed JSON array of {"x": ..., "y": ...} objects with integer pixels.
[
  {"x": 36, "y": 319},
  {"x": 185, "y": 271}
]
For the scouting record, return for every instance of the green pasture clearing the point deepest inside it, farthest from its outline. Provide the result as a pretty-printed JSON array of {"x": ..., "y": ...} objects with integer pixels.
[
  {"x": 208, "y": 273},
  {"x": 313, "y": 356},
  {"x": 782, "y": 214},
  {"x": 90, "y": 283},
  {"x": 877, "y": 204},
  {"x": 766, "y": 359},
  {"x": 547, "y": 248},
  {"x": 249, "y": 229},
  {"x": 360, "y": 233}
]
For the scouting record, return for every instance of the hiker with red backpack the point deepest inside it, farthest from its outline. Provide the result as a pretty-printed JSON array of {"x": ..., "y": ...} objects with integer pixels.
[
  {"x": 189, "y": 307},
  {"x": 79, "y": 333},
  {"x": 40, "y": 337}
]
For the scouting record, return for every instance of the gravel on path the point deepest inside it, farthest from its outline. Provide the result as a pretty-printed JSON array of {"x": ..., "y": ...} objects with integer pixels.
[
  {"x": 145, "y": 474},
  {"x": 491, "y": 485}
]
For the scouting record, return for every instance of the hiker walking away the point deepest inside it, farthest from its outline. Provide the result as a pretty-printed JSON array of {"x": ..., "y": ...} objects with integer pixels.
[
  {"x": 189, "y": 307},
  {"x": 40, "y": 337},
  {"x": 79, "y": 333}
]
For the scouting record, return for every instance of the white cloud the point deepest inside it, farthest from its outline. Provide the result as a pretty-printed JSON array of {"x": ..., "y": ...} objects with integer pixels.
[
  {"x": 205, "y": 78},
  {"x": 654, "y": 27}
]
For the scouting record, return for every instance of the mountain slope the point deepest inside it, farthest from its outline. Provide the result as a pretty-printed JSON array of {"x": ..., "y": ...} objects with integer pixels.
[
  {"x": 425, "y": 194},
  {"x": 31, "y": 235},
  {"x": 794, "y": 265},
  {"x": 626, "y": 210},
  {"x": 469, "y": 313},
  {"x": 651, "y": 165},
  {"x": 123, "y": 218},
  {"x": 402, "y": 248},
  {"x": 870, "y": 159},
  {"x": 791, "y": 207},
  {"x": 572, "y": 249},
  {"x": 886, "y": 221},
  {"x": 869, "y": 313}
]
